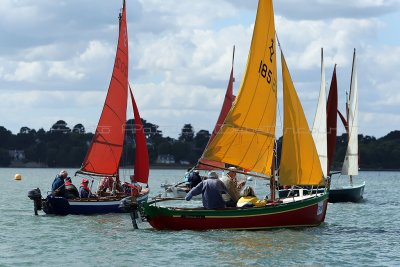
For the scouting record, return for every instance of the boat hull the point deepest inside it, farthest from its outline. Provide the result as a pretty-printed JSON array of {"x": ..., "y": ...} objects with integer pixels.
[
  {"x": 347, "y": 194},
  {"x": 63, "y": 206},
  {"x": 309, "y": 212}
]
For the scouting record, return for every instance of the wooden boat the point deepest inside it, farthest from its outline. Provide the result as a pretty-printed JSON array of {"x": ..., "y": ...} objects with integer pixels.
[
  {"x": 247, "y": 140},
  {"x": 104, "y": 154},
  {"x": 350, "y": 192}
]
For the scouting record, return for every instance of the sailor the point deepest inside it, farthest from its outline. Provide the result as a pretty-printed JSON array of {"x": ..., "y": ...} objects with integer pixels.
[
  {"x": 70, "y": 189},
  {"x": 211, "y": 190},
  {"x": 84, "y": 191},
  {"x": 58, "y": 187},
  {"x": 249, "y": 199},
  {"x": 194, "y": 179},
  {"x": 233, "y": 187}
]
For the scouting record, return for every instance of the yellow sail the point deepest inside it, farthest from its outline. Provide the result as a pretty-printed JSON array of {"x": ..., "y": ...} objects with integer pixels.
[
  {"x": 300, "y": 163},
  {"x": 247, "y": 136}
]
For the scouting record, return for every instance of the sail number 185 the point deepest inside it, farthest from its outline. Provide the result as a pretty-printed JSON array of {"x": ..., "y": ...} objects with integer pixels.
[{"x": 265, "y": 72}]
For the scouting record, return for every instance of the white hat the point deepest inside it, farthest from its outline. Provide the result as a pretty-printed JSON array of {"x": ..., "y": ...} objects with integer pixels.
[
  {"x": 63, "y": 173},
  {"x": 232, "y": 169},
  {"x": 212, "y": 175}
]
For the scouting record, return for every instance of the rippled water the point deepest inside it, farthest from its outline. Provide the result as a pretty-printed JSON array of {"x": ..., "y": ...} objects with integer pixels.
[{"x": 363, "y": 234}]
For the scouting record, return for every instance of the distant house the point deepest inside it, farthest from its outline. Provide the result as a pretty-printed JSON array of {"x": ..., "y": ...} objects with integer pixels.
[
  {"x": 17, "y": 154},
  {"x": 184, "y": 162},
  {"x": 165, "y": 159}
]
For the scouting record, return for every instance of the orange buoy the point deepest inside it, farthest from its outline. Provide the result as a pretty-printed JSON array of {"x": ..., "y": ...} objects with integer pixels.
[{"x": 18, "y": 177}]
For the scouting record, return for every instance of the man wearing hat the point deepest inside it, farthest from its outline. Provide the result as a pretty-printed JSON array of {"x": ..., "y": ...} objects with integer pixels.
[
  {"x": 211, "y": 190},
  {"x": 58, "y": 187},
  {"x": 233, "y": 187}
]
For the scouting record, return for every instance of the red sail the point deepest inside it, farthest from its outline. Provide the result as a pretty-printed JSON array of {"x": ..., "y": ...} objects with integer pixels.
[
  {"x": 331, "y": 120},
  {"x": 105, "y": 151},
  {"x": 344, "y": 121},
  {"x": 142, "y": 155},
  {"x": 229, "y": 98}
]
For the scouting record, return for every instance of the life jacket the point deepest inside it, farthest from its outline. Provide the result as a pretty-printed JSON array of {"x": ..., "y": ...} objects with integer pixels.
[
  {"x": 132, "y": 189},
  {"x": 84, "y": 186}
]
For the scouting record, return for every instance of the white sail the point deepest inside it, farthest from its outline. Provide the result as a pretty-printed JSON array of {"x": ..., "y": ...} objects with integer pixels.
[
  {"x": 350, "y": 164},
  {"x": 319, "y": 127}
]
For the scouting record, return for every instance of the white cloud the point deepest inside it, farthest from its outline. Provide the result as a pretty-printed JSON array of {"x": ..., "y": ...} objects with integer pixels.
[
  {"x": 57, "y": 54},
  {"x": 26, "y": 71}
]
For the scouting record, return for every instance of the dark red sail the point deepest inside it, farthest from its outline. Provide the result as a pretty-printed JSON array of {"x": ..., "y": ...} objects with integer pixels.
[
  {"x": 142, "y": 155},
  {"x": 229, "y": 98},
  {"x": 331, "y": 120}
]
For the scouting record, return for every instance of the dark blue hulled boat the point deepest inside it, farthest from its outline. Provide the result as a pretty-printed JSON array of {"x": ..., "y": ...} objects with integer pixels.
[
  {"x": 105, "y": 151},
  {"x": 350, "y": 192}
]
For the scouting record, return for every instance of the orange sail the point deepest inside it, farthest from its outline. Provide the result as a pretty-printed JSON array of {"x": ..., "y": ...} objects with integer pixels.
[
  {"x": 229, "y": 98},
  {"x": 105, "y": 151},
  {"x": 142, "y": 155}
]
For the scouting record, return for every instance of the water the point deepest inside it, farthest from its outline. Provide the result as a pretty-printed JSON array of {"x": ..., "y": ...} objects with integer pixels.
[{"x": 362, "y": 234}]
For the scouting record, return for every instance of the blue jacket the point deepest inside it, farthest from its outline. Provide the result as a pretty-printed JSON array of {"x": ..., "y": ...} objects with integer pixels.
[
  {"x": 58, "y": 183},
  {"x": 83, "y": 193},
  {"x": 211, "y": 190}
]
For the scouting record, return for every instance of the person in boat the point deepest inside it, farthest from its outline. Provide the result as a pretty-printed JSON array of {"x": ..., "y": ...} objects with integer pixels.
[
  {"x": 187, "y": 177},
  {"x": 133, "y": 188},
  {"x": 58, "y": 186},
  {"x": 109, "y": 184},
  {"x": 70, "y": 189},
  {"x": 194, "y": 179},
  {"x": 234, "y": 188},
  {"x": 84, "y": 191},
  {"x": 249, "y": 199},
  {"x": 211, "y": 190}
]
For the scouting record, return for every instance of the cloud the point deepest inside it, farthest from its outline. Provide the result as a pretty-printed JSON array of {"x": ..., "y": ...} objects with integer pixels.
[{"x": 58, "y": 53}]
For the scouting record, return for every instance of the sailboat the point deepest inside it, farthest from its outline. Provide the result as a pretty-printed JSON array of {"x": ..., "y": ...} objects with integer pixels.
[
  {"x": 319, "y": 134},
  {"x": 247, "y": 140},
  {"x": 105, "y": 151},
  {"x": 351, "y": 192},
  {"x": 179, "y": 190}
]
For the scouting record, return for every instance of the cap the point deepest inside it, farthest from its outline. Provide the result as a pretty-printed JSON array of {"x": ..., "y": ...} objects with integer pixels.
[
  {"x": 63, "y": 173},
  {"x": 196, "y": 171},
  {"x": 232, "y": 169},
  {"x": 212, "y": 175},
  {"x": 84, "y": 180}
]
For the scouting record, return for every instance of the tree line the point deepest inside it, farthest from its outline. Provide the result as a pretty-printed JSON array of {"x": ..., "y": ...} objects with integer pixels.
[{"x": 62, "y": 146}]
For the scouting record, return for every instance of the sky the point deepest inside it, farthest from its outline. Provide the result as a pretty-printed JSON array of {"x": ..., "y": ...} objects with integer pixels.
[{"x": 56, "y": 58}]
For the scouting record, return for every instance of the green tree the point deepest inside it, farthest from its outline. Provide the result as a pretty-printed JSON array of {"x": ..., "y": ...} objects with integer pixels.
[{"x": 187, "y": 133}]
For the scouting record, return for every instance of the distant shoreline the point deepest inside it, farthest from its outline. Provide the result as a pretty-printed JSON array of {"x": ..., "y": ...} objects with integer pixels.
[{"x": 152, "y": 166}]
